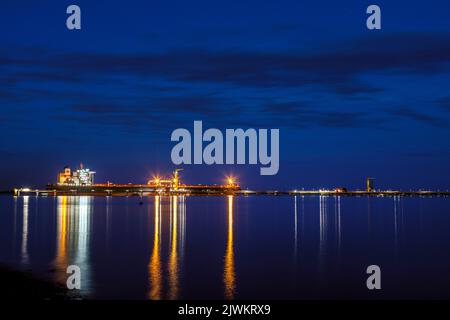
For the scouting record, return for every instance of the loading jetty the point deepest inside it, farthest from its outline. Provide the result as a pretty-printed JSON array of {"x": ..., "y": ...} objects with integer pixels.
[
  {"x": 143, "y": 190},
  {"x": 81, "y": 182}
]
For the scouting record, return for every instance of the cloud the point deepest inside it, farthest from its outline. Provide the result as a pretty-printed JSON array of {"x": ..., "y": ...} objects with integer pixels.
[
  {"x": 344, "y": 119},
  {"x": 337, "y": 67},
  {"x": 110, "y": 119},
  {"x": 285, "y": 108},
  {"x": 99, "y": 108},
  {"x": 156, "y": 112},
  {"x": 357, "y": 88},
  {"x": 444, "y": 103},
  {"x": 7, "y": 95},
  {"x": 201, "y": 104},
  {"x": 283, "y": 27},
  {"x": 412, "y": 114},
  {"x": 301, "y": 114},
  {"x": 428, "y": 153},
  {"x": 204, "y": 105}
]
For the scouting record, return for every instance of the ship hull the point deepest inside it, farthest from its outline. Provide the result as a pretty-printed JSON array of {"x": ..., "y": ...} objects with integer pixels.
[{"x": 141, "y": 190}]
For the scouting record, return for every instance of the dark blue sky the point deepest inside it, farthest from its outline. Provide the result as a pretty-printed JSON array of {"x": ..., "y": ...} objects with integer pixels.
[{"x": 349, "y": 102}]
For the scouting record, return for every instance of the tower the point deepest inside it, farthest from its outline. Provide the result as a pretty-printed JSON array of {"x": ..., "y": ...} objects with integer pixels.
[
  {"x": 369, "y": 184},
  {"x": 176, "y": 178}
]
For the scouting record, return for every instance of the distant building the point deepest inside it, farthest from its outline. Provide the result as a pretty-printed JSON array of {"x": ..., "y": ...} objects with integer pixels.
[
  {"x": 340, "y": 190},
  {"x": 80, "y": 177}
]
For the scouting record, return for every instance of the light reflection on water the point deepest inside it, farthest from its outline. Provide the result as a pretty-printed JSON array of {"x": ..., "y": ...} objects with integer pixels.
[
  {"x": 177, "y": 217},
  {"x": 154, "y": 267},
  {"x": 228, "y": 273},
  {"x": 230, "y": 247},
  {"x": 24, "y": 248},
  {"x": 74, "y": 217}
]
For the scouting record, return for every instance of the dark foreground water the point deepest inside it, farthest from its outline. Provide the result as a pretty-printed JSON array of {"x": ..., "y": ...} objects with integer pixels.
[{"x": 232, "y": 247}]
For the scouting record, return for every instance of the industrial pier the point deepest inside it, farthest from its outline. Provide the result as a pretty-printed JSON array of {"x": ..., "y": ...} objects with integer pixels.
[
  {"x": 81, "y": 182},
  {"x": 143, "y": 190}
]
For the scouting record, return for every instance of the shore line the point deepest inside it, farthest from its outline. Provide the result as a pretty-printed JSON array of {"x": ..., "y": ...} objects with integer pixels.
[
  {"x": 20, "y": 285},
  {"x": 144, "y": 193}
]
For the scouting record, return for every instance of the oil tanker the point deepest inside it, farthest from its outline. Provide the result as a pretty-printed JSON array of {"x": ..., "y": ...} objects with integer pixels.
[{"x": 81, "y": 182}]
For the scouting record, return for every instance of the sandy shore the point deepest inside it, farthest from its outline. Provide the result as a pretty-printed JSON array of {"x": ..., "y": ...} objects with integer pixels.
[{"x": 22, "y": 285}]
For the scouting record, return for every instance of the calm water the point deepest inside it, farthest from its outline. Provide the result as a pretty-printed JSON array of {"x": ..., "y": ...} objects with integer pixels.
[{"x": 232, "y": 247}]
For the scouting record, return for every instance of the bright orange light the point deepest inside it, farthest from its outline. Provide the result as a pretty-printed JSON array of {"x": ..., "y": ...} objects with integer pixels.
[
  {"x": 155, "y": 180},
  {"x": 231, "y": 180}
]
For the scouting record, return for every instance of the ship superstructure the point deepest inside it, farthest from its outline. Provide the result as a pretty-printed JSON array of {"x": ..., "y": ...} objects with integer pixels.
[{"x": 80, "y": 177}]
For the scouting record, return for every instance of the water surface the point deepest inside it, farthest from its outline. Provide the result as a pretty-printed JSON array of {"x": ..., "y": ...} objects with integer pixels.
[{"x": 257, "y": 247}]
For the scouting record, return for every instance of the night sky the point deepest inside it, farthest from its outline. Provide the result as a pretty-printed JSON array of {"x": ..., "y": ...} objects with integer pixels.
[{"x": 349, "y": 102}]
